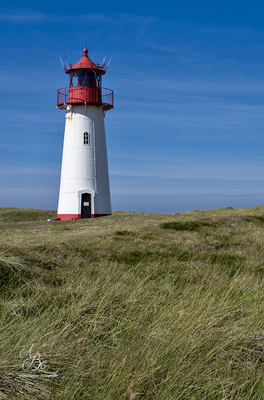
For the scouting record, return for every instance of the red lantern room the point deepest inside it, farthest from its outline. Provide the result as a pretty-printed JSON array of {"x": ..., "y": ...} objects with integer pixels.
[{"x": 85, "y": 85}]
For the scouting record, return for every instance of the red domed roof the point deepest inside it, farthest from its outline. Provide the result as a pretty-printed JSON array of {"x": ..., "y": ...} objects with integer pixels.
[{"x": 85, "y": 64}]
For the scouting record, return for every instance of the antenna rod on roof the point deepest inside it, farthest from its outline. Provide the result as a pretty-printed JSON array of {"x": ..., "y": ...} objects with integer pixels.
[
  {"x": 61, "y": 62},
  {"x": 93, "y": 55},
  {"x": 108, "y": 63},
  {"x": 103, "y": 63},
  {"x": 68, "y": 57}
]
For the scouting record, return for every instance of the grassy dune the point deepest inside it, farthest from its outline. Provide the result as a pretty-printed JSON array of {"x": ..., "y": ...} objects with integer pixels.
[{"x": 132, "y": 306}]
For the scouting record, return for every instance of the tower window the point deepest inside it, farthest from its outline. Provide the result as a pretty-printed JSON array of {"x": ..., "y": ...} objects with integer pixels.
[{"x": 86, "y": 138}]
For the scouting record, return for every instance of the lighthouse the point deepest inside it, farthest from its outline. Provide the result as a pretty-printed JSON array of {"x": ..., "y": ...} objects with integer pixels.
[{"x": 84, "y": 184}]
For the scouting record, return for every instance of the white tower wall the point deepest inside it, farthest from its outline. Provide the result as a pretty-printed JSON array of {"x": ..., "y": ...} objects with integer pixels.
[{"x": 84, "y": 166}]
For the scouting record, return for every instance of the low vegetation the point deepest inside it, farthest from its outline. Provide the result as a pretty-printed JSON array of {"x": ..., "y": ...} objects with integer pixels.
[{"x": 132, "y": 306}]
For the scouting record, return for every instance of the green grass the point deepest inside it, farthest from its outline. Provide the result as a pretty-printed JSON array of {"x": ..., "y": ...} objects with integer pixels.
[
  {"x": 13, "y": 214},
  {"x": 186, "y": 225},
  {"x": 132, "y": 306}
]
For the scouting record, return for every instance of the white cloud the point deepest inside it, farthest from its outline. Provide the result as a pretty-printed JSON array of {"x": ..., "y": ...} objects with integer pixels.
[
  {"x": 15, "y": 193},
  {"x": 116, "y": 20},
  {"x": 9, "y": 172},
  {"x": 24, "y": 16}
]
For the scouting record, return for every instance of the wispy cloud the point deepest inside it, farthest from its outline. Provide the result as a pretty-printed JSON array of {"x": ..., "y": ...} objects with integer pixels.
[
  {"x": 119, "y": 19},
  {"x": 6, "y": 193},
  {"x": 23, "y": 16},
  {"x": 241, "y": 32},
  {"x": 9, "y": 172},
  {"x": 115, "y": 20}
]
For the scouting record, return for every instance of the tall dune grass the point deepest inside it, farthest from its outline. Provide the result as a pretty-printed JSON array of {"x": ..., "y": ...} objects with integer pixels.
[{"x": 133, "y": 306}]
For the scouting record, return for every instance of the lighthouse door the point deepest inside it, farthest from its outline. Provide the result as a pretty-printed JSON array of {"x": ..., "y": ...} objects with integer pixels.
[{"x": 86, "y": 206}]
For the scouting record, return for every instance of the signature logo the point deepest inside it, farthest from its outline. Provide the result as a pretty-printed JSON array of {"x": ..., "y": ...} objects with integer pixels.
[{"x": 34, "y": 363}]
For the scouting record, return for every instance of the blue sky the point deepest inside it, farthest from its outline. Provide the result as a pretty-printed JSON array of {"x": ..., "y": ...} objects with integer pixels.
[{"x": 187, "y": 128}]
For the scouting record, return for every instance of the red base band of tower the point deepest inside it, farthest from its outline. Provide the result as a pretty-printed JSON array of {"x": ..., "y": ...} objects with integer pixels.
[{"x": 67, "y": 217}]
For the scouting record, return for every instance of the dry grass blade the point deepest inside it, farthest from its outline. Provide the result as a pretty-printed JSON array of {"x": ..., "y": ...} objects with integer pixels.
[
  {"x": 14, "y": 387},
  {"x": 13, "y": 263}
]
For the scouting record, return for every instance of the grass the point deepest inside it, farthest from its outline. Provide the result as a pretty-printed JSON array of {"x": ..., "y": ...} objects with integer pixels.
[
  {"x": 186, "y": 225},
  {"x": 132, "y": 306},
  {"x": 12, "y": 214}
]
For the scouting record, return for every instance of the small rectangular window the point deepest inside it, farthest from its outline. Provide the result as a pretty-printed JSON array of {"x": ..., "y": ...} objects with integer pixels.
[{"x": 86, "y": 138}]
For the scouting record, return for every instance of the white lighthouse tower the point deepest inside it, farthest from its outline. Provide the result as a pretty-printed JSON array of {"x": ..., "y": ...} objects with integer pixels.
[{"x": 84, "y": 185}]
